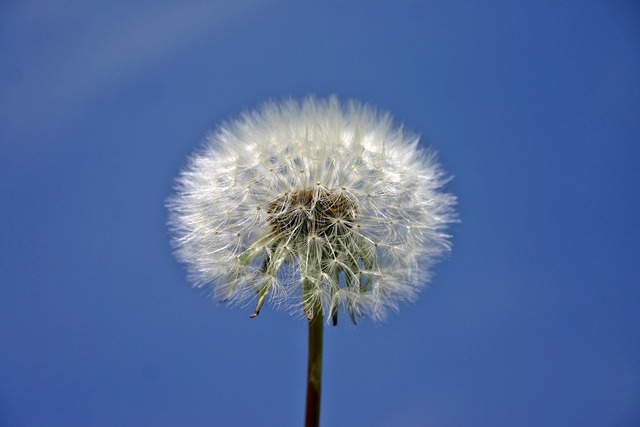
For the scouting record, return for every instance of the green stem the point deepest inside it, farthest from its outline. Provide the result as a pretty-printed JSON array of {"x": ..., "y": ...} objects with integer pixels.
[{"x": 314, "y": 370}]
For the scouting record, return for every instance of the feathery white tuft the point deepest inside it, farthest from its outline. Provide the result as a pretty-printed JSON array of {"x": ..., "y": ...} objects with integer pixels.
[{"x": 312, "y": 205}]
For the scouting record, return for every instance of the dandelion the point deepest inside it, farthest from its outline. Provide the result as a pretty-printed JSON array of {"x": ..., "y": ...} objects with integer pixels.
[{"x": 318, "y": 207}]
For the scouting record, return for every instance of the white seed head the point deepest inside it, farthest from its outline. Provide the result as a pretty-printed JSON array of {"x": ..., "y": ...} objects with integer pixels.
[{"x": 312, "y": 205}]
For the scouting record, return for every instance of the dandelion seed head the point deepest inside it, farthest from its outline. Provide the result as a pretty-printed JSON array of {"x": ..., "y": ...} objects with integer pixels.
[{"x": 316, "y": 205}]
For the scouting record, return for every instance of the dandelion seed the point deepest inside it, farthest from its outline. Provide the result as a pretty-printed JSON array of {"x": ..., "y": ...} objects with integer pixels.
[{"x": 315, "y": 206}]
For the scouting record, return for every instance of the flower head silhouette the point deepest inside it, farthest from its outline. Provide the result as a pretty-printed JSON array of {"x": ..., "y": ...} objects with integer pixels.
[{"x": 317, "y": 205}]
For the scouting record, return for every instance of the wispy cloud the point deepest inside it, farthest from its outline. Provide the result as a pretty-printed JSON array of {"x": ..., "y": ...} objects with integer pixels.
[{"x": 58, "y": 58}]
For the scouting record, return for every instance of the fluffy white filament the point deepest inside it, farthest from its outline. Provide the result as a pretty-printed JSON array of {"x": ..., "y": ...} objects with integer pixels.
[{"x": 312, "y": 205}]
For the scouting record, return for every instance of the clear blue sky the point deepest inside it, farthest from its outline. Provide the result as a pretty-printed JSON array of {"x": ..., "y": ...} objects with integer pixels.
[{"x": 534, "y": 107}]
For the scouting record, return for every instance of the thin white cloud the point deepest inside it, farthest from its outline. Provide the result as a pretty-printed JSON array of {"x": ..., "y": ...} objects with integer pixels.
[{"x": 63, "y": 56}]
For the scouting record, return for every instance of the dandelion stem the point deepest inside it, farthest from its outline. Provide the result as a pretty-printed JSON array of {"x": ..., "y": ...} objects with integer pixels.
[{"x": 314, "y": 370}]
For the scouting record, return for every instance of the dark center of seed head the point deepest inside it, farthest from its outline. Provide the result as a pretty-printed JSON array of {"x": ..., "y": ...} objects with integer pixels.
[{"x": 320, "y": 211}]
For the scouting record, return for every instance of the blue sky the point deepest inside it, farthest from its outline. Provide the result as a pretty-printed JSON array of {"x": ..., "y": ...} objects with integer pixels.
[{"x": 533, "y": 107}]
